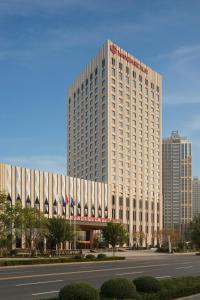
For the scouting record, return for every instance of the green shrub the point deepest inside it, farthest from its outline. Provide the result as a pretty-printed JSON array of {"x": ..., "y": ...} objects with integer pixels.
[
  {"x": 101, "y": 255},
  {"x": 182, "y": 286},
  {"x": 79, "y": 291},
  {"x": 13, "y": 252},
  {"x": 79, "y": 256},
  {"x": 120, "y": 288},
  {"x": 90, "y": 256},
  {"x": 147, "y": 284}
]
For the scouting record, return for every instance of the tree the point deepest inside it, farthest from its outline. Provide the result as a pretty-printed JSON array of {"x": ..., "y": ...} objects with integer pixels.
[
  {"x": 34, "y": 227},
  {"x": 6, "y": 220},
  {"x": 171, "y": 237},
  {"x": 59, "y": 231},
  {"x": 195, "y": 231},
  {"x": 138, "y": 238},
  {"x": 115, "y": 234}
]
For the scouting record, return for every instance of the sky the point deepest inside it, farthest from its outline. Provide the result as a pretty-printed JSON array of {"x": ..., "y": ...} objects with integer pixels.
[{"x": 45, "y": 44}]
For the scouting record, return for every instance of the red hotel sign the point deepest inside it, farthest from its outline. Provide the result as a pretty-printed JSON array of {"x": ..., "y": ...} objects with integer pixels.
[
  {"x": 96, "y": 219},
  {"x": 114, "y": 50}
]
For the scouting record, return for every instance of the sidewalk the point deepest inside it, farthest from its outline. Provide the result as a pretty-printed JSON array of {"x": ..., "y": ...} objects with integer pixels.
[{"x": 194, "y": 297}]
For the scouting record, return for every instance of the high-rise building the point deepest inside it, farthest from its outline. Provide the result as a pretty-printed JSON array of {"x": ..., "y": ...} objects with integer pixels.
[
  {"x": 114, "y": 136},
  {"x": 177, "y": 181},
  {"x": 195, "y": 196}
]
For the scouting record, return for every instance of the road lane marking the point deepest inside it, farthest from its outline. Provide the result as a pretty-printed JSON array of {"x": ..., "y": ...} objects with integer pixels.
[
  {"x": 80, "y": 272},
  {"x": 166, "y": 276},
  {"x": 39, "y": 282},
  {"x": 128, "y": 273},
  {"x": 188, "y": 267},
  {"x": 51, "y": 292},
  {"x": 14, "y": 272}
]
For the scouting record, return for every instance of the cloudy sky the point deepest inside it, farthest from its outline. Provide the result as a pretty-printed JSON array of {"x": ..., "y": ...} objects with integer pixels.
[{"x": 44, "y": 45}]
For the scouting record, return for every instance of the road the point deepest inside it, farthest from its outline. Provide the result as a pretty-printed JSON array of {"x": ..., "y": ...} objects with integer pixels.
[{"x": 44, "y": 281}]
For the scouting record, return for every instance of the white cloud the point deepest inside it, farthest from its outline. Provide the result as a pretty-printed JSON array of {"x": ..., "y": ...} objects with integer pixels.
[{"x": 182, "y": 75}]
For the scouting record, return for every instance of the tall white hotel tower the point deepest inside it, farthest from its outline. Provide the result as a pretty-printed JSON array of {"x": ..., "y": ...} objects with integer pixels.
[{"x": 114, "y": 136}]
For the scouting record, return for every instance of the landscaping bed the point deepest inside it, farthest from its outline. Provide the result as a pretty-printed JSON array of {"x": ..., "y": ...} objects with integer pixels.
[
  {"x": 142, "y": 288},
  {"x": 76, "y": 258}
]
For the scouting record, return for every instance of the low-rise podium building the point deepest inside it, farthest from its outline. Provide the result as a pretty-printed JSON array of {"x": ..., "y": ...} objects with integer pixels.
[{"x": 82, "y": 201}]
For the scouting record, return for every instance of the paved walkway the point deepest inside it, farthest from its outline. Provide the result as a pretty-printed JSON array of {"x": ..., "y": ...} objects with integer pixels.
[{"x": 194, "y": 297}]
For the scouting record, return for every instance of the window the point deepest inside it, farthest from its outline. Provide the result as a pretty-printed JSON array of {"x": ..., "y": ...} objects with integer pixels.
[
  {"x": 103, "y": 63},
  {"x": 113, "y": 72},
  {"x": 113, "y": 61}
]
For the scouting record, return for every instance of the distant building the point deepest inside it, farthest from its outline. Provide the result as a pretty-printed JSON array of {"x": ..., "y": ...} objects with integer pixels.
[
  {"x": 196, "y": 196},
  {"x": 177, "y": 181},
  {"x": 114, "y": 136}
]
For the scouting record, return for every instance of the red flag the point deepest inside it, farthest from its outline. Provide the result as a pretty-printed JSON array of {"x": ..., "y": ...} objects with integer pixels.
[{"x": 67, "y": 199}]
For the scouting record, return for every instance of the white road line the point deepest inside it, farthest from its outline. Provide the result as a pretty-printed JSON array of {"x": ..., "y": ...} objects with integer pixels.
[
  {"x": 189, "y": 267},
  {"x": 166, "y": 276},
  {"x": 128, "y": 273},
  {"x": 51, "y": 292},
  {"x": 82, "y": 272},
  {"x": 40, "y": 282}
]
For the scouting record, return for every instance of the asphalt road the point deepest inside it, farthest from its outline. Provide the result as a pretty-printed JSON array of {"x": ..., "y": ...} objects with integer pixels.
[{"x": 44, "y": 281}]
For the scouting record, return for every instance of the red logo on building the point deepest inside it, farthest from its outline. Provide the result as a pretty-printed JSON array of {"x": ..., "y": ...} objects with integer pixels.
[
  {"x": 129, "y": 59},
  {"x": 113, "y": 49}
]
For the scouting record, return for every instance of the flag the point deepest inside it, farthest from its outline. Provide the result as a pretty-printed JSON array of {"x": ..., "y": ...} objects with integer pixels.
[
  {"x": 72, "y": 202},
  {"x": 67, "y": 199}
]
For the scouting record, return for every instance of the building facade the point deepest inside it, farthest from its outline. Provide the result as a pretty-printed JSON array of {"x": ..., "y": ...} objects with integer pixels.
[
  {"x": 83, "y": 201},
  {"x": 114, "y": 136},
  {"x": 177, "y": 181},
  {"x": 195, "y": 196}
]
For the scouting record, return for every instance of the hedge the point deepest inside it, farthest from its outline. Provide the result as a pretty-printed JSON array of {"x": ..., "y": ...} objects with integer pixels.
[
  {"x": 37, "y": 261},
  {"x": 119, "y": 288},
  {"x": 122, "y": 288},
  {"x": 79, "y": 291},
  {"x": 147, "y": 284}
]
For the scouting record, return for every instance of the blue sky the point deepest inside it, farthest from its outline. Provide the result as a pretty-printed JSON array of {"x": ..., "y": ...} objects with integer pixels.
[{"x": 44, "y": 45}]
